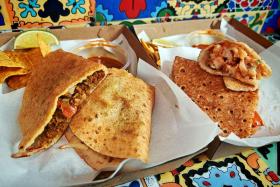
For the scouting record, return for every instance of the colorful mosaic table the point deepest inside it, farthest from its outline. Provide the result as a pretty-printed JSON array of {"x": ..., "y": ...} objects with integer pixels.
[{"x": 256, "y": 167}]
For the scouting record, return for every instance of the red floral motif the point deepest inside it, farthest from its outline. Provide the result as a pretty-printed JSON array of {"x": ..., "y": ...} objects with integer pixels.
[
  {"x": 224, "y": 11},
  {"x": 206, "y": 183},
  {"x": 273, "y": 176},
  {"x": 244, "y": 3},
  {"x": 132, "y": 8},
  {"x": 174, "y": 172},
  {"x": 248, "y": 3},
  {"x": 232, "y": 174},
  {"x": 269, "y": 30},
  {"x": 244, "y": 21}
]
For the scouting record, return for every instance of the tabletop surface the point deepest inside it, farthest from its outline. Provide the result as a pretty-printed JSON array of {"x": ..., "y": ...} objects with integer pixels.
[{"x": 255, "y": 167}]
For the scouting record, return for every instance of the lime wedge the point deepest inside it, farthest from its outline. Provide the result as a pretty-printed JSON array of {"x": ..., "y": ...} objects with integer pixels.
[{"x": 32, "y": 39}]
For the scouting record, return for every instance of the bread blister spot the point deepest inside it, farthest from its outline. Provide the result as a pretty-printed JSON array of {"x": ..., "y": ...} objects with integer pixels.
[
  {"x": 182, "y": 70},
  {"x": 110, "y": 159},
  {"x": 183, "y": 87}
]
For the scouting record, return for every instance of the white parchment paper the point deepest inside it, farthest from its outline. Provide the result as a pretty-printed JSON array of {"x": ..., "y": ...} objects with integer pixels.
[{"x": 179, "y": 128}]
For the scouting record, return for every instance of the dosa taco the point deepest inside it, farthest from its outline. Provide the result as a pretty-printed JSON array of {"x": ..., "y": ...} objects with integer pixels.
[
  {"x": 234, "y": 111},
  {"x": 109, "y": 111},
  {"x": 240, "y": 65},
  {"x": 55, "y": 91},
  {"x": 116, "y": 120}
]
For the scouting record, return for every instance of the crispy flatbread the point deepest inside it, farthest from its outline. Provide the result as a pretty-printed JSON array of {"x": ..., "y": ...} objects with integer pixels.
[
  {"x": 8, "y": 60},
  {"x": 31, "y": 56},
  {"x": 234, "y": 111},
  {"x": 18, "y": 81},
  {"x": 116, "y": 120},
  {"x": 59, "y": 73},
  {"x": 18, "y": 64},
  {"x": 234, "y": 59},
  {"x": 6, "y": 72},
  {"x": 94, "y": 159}
]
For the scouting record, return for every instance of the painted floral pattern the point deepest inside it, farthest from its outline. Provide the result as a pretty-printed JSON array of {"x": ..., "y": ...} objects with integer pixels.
[
  {"x": 29, "y": 8},
  {"x": 252, "y": 13},
  {"x": 45, "y": 13},
  {"x": 247, "y": 169},
  {"x": 260, "y": 15}
]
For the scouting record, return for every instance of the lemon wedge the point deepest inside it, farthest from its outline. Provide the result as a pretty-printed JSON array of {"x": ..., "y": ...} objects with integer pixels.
[{"x": 33, "y": 39}]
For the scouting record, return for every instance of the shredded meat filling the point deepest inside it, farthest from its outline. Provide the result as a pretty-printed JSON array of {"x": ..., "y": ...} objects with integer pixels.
[
  {"x": 62, "y": 116},
  {"x": 230, "y": 58},
  {"x": 55, "y": 127}
]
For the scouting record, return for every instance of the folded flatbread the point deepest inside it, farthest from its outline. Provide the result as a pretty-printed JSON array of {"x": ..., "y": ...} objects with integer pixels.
[
  {"x": 234, "y": 111},
  {"x": 94, "y": 159},
  {"x": 236, "y": 60},
  {"x": 6, "y": 72},
  {"x": 116, "y": 120},
  {"x": 54, "y": 94},
  {"x": 18, "y": 81}
]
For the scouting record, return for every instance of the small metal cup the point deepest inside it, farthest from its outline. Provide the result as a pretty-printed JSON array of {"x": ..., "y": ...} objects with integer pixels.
[{"x": 102, "y": 48}]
